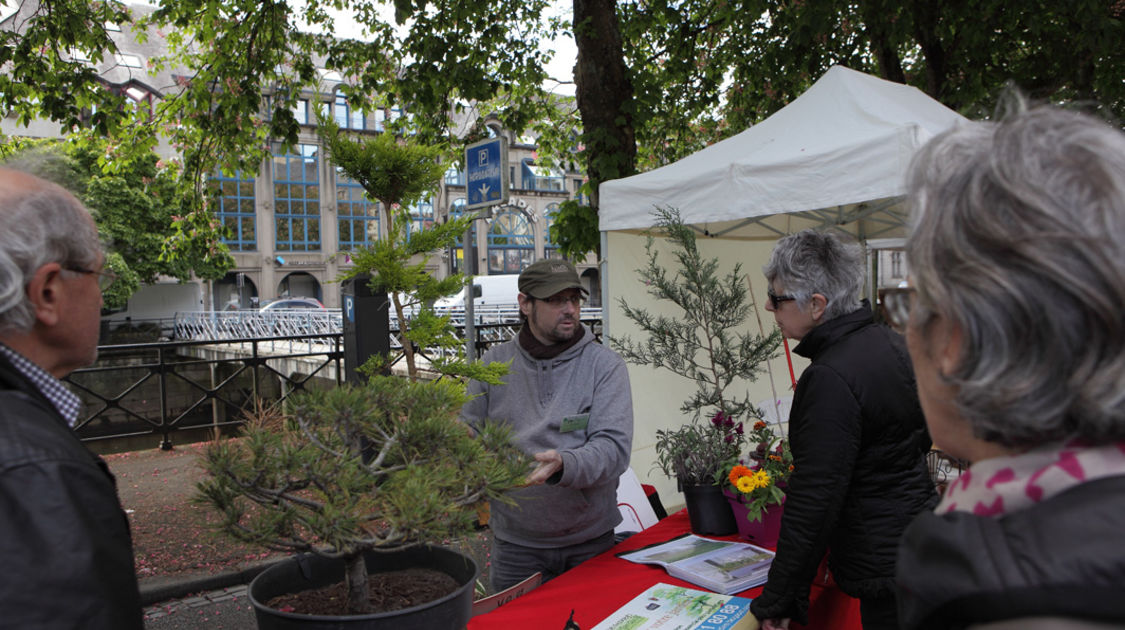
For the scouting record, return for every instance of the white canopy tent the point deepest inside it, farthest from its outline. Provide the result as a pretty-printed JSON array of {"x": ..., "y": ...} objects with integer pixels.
[{"x": 834, "y": 157}]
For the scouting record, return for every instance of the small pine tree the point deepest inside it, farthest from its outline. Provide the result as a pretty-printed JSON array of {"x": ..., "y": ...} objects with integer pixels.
[{"x": 701, "y": 345}]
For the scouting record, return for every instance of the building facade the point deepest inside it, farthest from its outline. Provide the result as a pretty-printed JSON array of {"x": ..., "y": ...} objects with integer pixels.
[{"x": 291, "y": 225}]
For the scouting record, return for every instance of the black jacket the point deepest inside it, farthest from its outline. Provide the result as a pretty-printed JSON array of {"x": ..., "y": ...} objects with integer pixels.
[
  {"x": 859, "y": 443},
  {"x": 64, "y": 539},
  {"x": 1063, "y": 557}
]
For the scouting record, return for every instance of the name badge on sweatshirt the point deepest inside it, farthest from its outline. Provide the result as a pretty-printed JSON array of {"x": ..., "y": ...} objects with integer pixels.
[{"x": 574, "y": 423}]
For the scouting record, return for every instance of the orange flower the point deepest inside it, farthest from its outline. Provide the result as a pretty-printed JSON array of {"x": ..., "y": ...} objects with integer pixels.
[
  {"x": 739, "y": 471},
  {"x": 790, "y": 467},
  {"x": 775, "y": 458},
  {"x": 759, "y": 425}
]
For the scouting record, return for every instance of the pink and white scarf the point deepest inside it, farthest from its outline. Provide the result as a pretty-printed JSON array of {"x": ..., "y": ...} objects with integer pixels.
[{"x": 1000, "y": 485}]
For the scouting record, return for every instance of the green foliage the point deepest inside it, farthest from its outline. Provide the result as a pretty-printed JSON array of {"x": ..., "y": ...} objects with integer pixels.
[
  {"x": 135, "y": 206},
  {"x": 700, "y": 453},
  {"x": 575, "y": 229},
  {"x": 359, "y": 468},
  {"x": 700, "y": 343},
  {"x": 399, "y": 172}
]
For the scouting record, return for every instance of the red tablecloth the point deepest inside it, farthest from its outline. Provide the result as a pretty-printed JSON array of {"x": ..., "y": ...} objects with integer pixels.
[{"x": 601, "y": 585}]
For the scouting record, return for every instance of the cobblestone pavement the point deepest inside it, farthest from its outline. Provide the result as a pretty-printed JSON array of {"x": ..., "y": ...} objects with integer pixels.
[{"x": 227, "y": 608}]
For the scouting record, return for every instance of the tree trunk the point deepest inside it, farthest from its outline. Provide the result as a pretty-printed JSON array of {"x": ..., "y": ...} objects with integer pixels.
[
  {"x": 355, "y": 578},
  {"x": 604, "y": 93}
]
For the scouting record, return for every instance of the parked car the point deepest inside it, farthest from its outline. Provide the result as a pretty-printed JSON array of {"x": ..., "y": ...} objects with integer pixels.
[{"x": 294, "y": 302}]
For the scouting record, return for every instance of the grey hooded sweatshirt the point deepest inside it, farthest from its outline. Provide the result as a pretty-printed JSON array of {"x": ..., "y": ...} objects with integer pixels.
[{"x": 578, "y": 403}]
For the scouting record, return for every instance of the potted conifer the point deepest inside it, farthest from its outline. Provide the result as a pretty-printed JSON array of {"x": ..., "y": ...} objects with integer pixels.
[
  {"x": 703, "y": 344},
  {"x": 360, "y": 477}
]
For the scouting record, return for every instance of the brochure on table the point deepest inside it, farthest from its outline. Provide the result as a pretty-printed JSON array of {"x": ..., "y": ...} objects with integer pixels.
[
  {"x": 677, "y": 608},
  {"x": 717, "y": 565}
]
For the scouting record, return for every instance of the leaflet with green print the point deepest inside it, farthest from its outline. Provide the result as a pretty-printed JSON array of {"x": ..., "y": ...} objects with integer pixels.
[
  {"x": 722, "y": 566},
  {"x": 677, "y": 608}
]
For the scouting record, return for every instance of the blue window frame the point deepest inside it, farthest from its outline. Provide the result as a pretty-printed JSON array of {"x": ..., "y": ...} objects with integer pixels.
[
  {"x": 345, "y": 116},
  {"x": 296, "y": 196},
  {"x": 357, "y": 217},
  {"x": 550, "y": 248},
  {"x": 511, "y": 244},
  {"x": 456, "y": 209},
  {"x": 454, "y": 177},
  {"x": 237, "y": 211},
  {"x": 421, "y": 216}
]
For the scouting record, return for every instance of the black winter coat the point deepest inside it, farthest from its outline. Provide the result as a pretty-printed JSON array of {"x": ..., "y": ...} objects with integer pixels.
[
  {"x": 1063, "y": 557},
  {"x": 64, "y": 539},
  {"x": 859, "y": 442}
]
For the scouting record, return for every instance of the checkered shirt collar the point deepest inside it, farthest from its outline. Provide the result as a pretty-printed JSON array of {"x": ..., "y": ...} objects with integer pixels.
[{"x": 65, "y": 401}]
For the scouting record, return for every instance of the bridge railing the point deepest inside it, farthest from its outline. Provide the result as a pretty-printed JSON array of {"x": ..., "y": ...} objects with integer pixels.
[{"x": 151, "y": 391}]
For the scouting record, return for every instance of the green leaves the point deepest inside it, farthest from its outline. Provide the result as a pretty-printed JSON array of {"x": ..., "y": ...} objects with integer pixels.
[{"x": 702, "y": 343}]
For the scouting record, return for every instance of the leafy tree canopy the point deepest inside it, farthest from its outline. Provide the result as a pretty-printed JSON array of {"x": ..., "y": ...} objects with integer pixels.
[
  {"x": 133, "y": 207},
  {"x": 656, "y": 80}
]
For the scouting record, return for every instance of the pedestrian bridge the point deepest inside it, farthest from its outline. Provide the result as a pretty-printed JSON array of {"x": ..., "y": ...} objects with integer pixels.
[{"x": 496, "y": 323}]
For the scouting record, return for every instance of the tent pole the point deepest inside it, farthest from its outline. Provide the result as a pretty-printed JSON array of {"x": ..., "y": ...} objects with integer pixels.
[{"x": 603, "y": 270}]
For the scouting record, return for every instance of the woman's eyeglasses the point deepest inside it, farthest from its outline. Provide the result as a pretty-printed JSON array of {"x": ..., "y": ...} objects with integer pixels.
[{"x": 775, "y": 299}]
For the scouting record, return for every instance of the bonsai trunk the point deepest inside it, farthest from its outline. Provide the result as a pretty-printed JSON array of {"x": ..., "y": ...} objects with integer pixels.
[{"x": 355, "y": 578}]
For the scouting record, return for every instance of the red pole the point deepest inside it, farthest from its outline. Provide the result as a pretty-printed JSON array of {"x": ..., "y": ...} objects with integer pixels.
[{"x": 789, "y": 360}]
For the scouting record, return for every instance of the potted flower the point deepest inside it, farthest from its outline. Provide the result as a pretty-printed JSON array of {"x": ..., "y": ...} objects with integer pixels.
[
  {"x": 697, "y": 454},
  {"x": 360, "y": 477},
  {"x": 703, "y": 344},
  {"x": 756, "y": 487}
]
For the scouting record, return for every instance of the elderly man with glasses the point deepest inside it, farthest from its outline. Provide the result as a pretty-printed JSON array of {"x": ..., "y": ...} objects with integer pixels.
[
  {"x": 568, "y": 403},
  {"x": 64, "y": 539}
]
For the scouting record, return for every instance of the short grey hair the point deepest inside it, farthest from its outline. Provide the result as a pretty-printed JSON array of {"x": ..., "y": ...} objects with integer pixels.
[
  {"x": 38, "y": 226},
  {"x": 811, "y": 262},
  {"x": 1017, "y": 232}
]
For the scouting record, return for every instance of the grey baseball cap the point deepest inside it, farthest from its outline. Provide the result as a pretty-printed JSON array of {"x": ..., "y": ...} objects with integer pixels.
[{"x": 544, "y": 278}]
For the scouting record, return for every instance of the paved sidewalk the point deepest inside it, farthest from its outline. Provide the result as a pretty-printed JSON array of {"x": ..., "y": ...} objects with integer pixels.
[{"x": 228, "y": 608}]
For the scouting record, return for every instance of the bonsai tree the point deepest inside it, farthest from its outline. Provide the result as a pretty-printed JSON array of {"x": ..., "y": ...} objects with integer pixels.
[
  {"x": 385, "y": 464},
  {"x": 398, "y": 173},
  {"x": 359, "y": 468},
  {"x": 702, "y": 345}
]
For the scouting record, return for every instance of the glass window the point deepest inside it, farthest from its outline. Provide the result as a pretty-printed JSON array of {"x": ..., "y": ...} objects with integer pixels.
[
  {"x": 456, "y": 209},
  {"x": 357, "y": 216},
  {"x": 129, "y": 61},
  {"x": 236, "y": 211},
  {"x": 510, "y": 242},
  {"x": 301, "y": 111},
  {"x": 296, "y": 191},
  {"x": 550, "y": 248},
  {"x": 346, "y": 117},
  {"x": 421, "y": 216}
]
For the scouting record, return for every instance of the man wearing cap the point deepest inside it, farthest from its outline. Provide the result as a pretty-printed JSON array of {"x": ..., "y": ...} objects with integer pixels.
[{"x": 567, "y": 401}]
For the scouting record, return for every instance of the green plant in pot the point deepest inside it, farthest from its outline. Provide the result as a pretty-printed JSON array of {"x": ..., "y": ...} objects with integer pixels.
[
  {"x": 705, "y": 344},
  {"x": 362, "y": 476}
]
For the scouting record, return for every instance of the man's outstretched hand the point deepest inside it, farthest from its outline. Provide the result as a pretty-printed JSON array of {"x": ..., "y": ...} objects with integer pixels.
[{"x": 550, "y": 462}]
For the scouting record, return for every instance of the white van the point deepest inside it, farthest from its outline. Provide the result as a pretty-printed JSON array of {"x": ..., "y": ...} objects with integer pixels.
[{"x": 495, "y": 291}]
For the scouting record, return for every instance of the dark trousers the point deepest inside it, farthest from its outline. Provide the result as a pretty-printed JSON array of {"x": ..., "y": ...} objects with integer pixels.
[
  {"x": 879, "y": 613},
  {"x": 512, "y": 563}
]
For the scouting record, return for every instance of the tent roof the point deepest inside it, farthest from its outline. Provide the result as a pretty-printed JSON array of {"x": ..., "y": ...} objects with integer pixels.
[{"x": 835, "y": 155}]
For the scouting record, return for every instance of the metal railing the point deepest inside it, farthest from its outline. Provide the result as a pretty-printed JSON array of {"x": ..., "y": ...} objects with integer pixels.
[{"x": 154, "y": 390}]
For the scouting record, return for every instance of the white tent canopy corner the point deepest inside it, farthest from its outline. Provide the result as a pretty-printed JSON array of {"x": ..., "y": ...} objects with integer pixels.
[
  {"x": 837, "y": 154},
  {"x": 834, "y": 157}
]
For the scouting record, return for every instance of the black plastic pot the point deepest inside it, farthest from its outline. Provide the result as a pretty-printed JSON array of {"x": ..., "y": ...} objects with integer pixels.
[
  {"x": 305, "y": 572},
  {"x": 709, "y": 511}
]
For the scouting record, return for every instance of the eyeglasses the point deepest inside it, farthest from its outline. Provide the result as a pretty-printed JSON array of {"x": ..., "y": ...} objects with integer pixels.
[
  {"x": 105, "y": 276},
  {"x": 559, "y": 300},
  {"x": 897, "y": 303},
  {"x": 776, "y": 300}
]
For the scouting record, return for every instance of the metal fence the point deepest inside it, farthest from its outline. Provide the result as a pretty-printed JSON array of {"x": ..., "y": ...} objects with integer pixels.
[{"x": 149, "y": 392}]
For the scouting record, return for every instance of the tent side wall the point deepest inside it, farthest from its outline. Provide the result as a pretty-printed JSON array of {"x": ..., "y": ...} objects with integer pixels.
[{"x": 658, "y": 393}]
